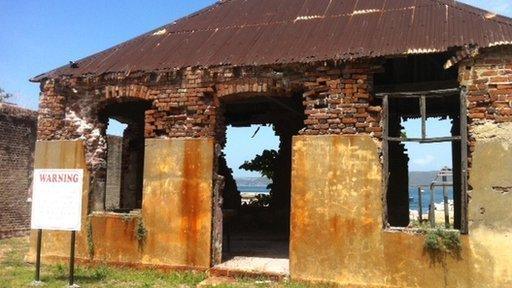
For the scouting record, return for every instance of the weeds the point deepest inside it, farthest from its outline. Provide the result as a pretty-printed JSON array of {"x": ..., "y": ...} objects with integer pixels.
[{"x": 90, "y": 240}]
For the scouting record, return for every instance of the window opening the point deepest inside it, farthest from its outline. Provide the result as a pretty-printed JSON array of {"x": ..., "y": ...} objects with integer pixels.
[
  {"x": 125, "y": 156},
  {"x": 414, "y": 120}
]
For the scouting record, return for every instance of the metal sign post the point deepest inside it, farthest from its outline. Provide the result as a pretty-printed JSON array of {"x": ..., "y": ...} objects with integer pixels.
[
  {"x": 57, "y": 206},
  {"x": 37, "y": 280},
  {"x": 72, "y": 262}
]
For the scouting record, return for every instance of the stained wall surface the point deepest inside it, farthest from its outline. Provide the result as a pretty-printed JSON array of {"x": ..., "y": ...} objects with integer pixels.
[
  {"x": 337, "y": 234},
  {"x": 175, "y": 216}
]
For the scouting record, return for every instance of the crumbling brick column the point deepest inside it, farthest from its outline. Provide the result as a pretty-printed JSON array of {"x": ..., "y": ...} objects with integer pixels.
[
  {"x": 70, "y": 112},
  {"x": 487, "y": 80},
  {"x": 51, "y": 111}
]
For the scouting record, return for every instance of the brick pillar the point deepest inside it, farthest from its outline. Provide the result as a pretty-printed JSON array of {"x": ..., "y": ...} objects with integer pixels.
[
  {"x": 51, "y": 111},
  {"x": 487, "y": 79}
]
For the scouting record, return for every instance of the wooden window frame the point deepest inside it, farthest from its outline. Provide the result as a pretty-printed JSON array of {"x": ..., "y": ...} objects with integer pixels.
[{"x": 422, "y": 96}]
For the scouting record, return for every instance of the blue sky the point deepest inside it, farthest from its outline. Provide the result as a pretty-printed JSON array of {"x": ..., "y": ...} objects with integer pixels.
[{"x": 37, "y": 36}]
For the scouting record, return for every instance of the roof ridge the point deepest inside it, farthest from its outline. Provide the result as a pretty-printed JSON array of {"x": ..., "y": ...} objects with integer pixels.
[
  {"x": 182, "y": 31},
  {"x": 197, "y": 13},
  {"x": 470, "y": 9}
]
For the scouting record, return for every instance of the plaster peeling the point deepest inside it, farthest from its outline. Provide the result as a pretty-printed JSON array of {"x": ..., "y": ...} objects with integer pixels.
[
  {"x": 503, "y": 190},
  {"x": 310, "y": 17},
  {"x": 421, "y": 51},
  {"x": 95, "y": 133},
  {"x": 365, "y": 11},
  {"x": 160, "y": 32},
  {"x": 80, "y": 124},
  {"x": 488, "y": 130}
]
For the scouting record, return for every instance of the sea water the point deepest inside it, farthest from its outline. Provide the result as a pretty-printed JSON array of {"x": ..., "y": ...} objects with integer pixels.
[
  {"x": 253, "y": 189},
  {"x": 438, "y": 197},
  {"x": 413, "y": 195}
]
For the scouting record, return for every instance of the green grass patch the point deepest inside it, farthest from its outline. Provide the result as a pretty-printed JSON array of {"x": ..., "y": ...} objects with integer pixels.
[{"x": 15, "y": 272}]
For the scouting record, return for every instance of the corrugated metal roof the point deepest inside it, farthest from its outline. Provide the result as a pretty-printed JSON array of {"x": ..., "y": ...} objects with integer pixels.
[{"x": 260, "y": 32}]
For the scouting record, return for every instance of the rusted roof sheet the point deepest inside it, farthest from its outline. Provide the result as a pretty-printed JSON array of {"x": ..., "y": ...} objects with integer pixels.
[{"x": 259, "y": 32}]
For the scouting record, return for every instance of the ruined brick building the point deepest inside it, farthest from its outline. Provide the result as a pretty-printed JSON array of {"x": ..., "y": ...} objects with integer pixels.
[
  {"x": 18, "y": 130},
  {"x": 334, "y": 78}
]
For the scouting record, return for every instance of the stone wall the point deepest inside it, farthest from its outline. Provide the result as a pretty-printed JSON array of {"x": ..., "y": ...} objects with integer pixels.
[{"x": 18, "y": 136}]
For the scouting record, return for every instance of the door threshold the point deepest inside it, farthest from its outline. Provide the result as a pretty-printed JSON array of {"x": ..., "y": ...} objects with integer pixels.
[{"x": 274, "y": 268}]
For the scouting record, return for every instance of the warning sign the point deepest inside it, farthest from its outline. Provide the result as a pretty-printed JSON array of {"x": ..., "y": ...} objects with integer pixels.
[{"x": 57, "y": 199}]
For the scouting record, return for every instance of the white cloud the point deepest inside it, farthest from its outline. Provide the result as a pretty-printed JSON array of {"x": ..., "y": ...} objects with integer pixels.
[{"x": 424, "y": 161}]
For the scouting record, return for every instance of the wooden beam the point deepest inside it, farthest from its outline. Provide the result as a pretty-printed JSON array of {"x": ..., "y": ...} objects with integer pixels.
[
  {"x": 418, "y": 94},
  {"x": 464, "y": 162},
  {"x": 417, "y": 86},
  {"x": 425, "y": 140},
  {"x": 423, "y": 111},
  {"x": 385, "y": 159}
]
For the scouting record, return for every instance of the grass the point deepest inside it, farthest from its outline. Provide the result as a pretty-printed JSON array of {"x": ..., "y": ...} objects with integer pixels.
[{"x": 15, "y": 272}]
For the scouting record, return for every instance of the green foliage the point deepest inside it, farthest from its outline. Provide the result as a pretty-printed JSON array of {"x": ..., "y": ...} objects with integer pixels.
[
  {"x": 140, "y": 231},
  {"x": 4, "y": 95},
  {"x": 262, "y": 200},
  {"x": 126, "y": 217},
  {"x": 264, "y": 163},
  {"x": 443, "y": 241}
]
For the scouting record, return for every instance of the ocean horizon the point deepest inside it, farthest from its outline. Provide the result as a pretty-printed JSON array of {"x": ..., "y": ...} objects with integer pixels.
[{"x": 413, "y": 195}]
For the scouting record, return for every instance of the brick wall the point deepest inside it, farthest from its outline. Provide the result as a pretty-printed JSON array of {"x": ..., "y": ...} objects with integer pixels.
[
  {"x": 488, "y": 80},
  {"x": 187, "y": 103},
  {"x": 339, "y": 102},
  {"x": 18, "y": 130}
]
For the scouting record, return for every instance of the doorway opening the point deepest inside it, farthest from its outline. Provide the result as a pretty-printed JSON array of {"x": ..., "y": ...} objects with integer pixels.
[{"x": 256, "y": 166}]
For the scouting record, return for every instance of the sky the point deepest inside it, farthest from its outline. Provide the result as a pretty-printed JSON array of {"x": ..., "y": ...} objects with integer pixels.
[{"x": 37, "y": 36}]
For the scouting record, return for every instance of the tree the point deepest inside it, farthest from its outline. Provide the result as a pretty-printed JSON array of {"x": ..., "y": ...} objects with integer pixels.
[
  {"x": 4, "y": 95},
  {"x": 264, "y": 163}
]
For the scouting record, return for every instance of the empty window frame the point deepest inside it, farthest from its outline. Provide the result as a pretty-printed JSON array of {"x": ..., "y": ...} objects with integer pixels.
[
  {"x": 439, "y": 103},
  {"x": 125, "y": 156}
]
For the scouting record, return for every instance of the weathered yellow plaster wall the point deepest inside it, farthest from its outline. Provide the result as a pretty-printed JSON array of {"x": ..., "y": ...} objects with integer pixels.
[
  {"x": 337, "y": 235},
  {"x": 177, "y": 203},
  {"x": 176, "y": 208},
  {"x": 490, "y": 206}
]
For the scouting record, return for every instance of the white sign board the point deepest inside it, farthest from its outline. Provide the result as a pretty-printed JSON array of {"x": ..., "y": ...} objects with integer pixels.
[{"x": 57, "y": 199}]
